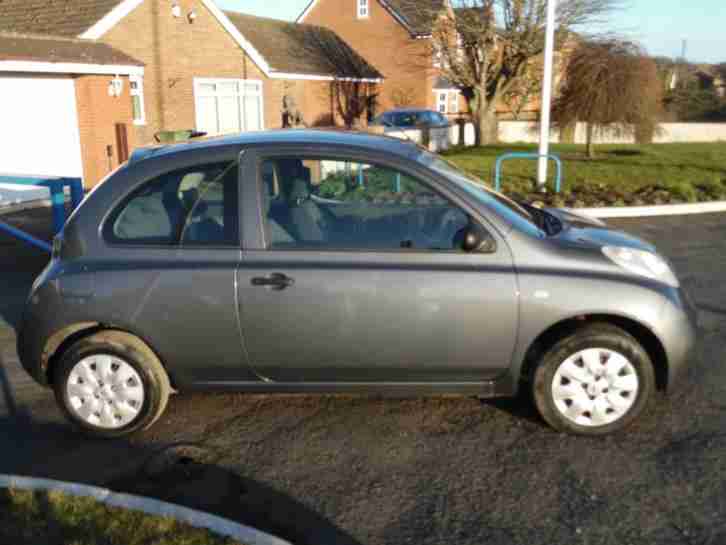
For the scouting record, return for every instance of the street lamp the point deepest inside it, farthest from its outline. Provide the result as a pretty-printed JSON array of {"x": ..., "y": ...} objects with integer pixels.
[{"x": 544, "y": 137}]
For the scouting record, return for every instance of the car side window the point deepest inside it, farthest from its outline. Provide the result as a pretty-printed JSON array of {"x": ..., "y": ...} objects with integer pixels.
[
  {"x": 330, "y": 204},
  {"x": 195, "y": 206}
]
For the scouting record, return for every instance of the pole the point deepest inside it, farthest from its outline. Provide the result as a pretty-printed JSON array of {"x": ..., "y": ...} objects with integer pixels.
[{"x": 544, "y": 138}]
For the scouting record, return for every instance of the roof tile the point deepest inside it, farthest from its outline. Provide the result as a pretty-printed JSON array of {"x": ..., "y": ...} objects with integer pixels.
[
  {"x": 419, "y": 15},
  {"x": 301, "y": 48},
  {"x": 55, "y": 17},
  {"x": 35, "y": 48}
]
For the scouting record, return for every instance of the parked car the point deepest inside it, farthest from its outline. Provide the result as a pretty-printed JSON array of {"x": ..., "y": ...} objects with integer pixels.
[
  {"x": 412, "y": 118},
  {"x": 312, "y": 261}
]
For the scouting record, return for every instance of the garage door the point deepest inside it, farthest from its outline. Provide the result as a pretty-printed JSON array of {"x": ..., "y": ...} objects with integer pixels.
[{"x": 39, "y": 133}]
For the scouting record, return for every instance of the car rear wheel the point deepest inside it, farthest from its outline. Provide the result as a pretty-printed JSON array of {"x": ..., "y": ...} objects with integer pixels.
[
  {"x": 594, "y": 382},
  {"x": 111, "y": 384}
]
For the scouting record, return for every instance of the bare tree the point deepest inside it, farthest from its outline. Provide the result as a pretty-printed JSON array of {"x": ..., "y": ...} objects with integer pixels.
[
  {"x": 521, "y": 94},
  {"x": 353, "y": 93},
  {"x": 610, "y": 84},
  {"x": 486, "y": 47},
  {"x": 353, "y": 100}
]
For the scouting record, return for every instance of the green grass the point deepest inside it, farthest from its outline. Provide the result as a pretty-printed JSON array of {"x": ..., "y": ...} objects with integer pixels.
[
  {"x": 688, "y": 172},
  {"x": 53, "y": 518}
]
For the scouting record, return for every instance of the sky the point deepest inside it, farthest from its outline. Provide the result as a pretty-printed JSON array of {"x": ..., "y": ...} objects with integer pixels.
[{"x": 660, "y": 25}]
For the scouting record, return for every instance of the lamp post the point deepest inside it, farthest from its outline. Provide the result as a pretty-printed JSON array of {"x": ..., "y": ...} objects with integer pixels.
[{"x": 544, "y": 137}]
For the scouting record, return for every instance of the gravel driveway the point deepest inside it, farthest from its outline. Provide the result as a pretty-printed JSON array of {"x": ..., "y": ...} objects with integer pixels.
[{"x": 426, "y": 471}]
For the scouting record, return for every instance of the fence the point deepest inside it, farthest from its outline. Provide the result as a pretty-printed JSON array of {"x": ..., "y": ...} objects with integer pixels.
[{"x": 56, "y": 188}]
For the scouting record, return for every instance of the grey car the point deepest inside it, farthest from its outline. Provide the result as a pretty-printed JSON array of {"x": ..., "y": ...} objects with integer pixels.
[
  {"x": 411, "y": 118},
  {"x": 323, "y": 262}
]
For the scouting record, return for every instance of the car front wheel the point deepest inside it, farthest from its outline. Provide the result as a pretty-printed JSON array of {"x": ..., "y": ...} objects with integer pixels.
[
  {"x": 111, "y": 384},
  {"x": 594, "y": 382}
]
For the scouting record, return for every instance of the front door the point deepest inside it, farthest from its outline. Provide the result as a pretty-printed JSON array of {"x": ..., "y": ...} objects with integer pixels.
[{"x": 360, "y": 279}]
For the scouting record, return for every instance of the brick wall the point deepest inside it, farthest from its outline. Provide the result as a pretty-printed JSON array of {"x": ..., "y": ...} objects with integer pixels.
[
  {"x": 98, "y": 114},
  {"x": 387, "y": 45},
  {"x": 175, "y": 52}
]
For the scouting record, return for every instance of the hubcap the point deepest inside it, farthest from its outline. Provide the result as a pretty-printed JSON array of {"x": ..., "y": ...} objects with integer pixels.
[
  {"x": 595, "y": 387},
  {"x": 105, "y": 391}
]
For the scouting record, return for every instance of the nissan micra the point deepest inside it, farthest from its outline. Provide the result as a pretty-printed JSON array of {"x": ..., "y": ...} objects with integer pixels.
[{"x": 325, "y": 262}]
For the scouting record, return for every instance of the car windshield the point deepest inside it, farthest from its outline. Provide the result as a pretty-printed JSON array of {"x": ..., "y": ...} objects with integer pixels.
[
  {"x": 407, "y": 119},
  {"x": 478, "y": 189}
]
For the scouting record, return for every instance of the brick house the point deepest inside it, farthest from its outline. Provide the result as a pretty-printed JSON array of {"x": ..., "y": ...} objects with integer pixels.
[
  {"x": 66, "y": 106},
  {"x": 202, "y": 68},
  {"x": 395, "y": 36}
]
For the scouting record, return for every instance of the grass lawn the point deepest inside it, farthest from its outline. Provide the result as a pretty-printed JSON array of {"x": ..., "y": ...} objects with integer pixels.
[
  {"x": 53, "y": 518},
  {"x": 621, "y": 174}
]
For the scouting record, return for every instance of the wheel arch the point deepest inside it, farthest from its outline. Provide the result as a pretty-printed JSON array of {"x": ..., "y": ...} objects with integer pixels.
[
  {"x": 64, "y": 338},
  {"x": 555, "y": 332}
]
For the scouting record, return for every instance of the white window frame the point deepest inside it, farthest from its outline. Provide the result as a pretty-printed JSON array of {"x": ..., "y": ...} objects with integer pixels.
[
  {"x": 364, "y": 9},
  {"x": 454, "y": 102},
  {"x": 241, "y": 93},
  {"x": 138, "y": 81},
  {"x": 447, "y": 101},
  {"x": 438, "y": 56}
]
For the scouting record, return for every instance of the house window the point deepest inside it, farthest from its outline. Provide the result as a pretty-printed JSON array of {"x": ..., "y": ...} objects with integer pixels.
[
  {"x": 438, "y": 56},
  {"x": 363, "y": 11},
  {"x": 447, "y": 102},
  {"x": 136, "y": 84},
  {"x": 226, "y": 106},
  {"x": 453, "y": 102}
]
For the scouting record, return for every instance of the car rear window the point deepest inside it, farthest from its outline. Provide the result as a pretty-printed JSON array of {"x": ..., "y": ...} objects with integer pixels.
[{"x": 190, "y": 207}]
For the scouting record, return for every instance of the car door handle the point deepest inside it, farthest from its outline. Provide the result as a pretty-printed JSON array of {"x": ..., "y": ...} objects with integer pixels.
[{"x": 276, "y": 281}]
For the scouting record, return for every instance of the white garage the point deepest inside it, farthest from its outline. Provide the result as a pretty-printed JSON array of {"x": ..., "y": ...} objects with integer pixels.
[
  {"x": 66, "y": 104},
  {"x": 41, "y": 134}
]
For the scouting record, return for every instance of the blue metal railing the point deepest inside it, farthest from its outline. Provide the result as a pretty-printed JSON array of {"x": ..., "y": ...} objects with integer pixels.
[
  {"x": 56, "y": 186},
  {"x": 525, "y": 155}
]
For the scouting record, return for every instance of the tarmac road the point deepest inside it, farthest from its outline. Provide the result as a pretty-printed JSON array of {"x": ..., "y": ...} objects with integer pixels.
[{"x": 325, "y": 469}]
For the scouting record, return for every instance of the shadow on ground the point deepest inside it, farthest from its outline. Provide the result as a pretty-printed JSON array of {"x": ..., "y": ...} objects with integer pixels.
[
  {"x": 188, "y": 476},
  {"x": 36, "y": 441}
]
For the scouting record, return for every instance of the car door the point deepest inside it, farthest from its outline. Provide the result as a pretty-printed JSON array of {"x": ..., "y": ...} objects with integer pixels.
[
  {"x": 360, "y": 281},
  {"x": 177, "y": 236}
]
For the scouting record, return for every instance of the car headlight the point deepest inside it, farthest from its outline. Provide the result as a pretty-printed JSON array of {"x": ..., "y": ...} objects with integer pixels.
[{"x": 642, "y": 263}]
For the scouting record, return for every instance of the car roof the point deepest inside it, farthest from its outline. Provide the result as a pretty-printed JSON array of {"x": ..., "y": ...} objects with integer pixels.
[
  {"x": 363, "y": 140},
  {"x": 409, "y": 111}
]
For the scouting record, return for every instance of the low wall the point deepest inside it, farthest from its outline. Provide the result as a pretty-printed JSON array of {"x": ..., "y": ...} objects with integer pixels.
[
  {"x": 438, "y": 139},
  {"x": 528, "y": 132},
  {"x": 691, "y": 132},
  {"x": 511, "y": 132}
]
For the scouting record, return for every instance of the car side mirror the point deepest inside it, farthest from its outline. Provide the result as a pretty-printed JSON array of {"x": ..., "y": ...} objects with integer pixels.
[{"x": 475, "y": 239}]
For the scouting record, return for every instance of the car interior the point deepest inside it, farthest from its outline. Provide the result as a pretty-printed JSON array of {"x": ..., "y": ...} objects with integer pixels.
[
  {"x": 354, "y": 206},
  {"x": 193, "y": 206}
]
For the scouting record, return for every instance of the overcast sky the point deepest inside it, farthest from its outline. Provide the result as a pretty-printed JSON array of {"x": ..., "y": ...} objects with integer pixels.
[{"x": 660, "y": 25}]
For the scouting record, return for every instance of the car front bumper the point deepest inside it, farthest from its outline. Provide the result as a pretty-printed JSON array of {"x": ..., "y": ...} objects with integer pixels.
[{"x": 679, "y": 332}]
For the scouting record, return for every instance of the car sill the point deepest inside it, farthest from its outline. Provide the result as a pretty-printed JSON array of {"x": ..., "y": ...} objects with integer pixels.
[{"x": 481, "y": 389}]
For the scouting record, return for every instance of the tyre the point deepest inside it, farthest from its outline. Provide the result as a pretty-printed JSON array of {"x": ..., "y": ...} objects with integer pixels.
[
  {"x": 110, "y": 384},
  {"x": 594, "y": 382}
]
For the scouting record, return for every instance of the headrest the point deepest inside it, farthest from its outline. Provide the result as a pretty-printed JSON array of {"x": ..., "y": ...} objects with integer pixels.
[{"x": 299, "y": 192}]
